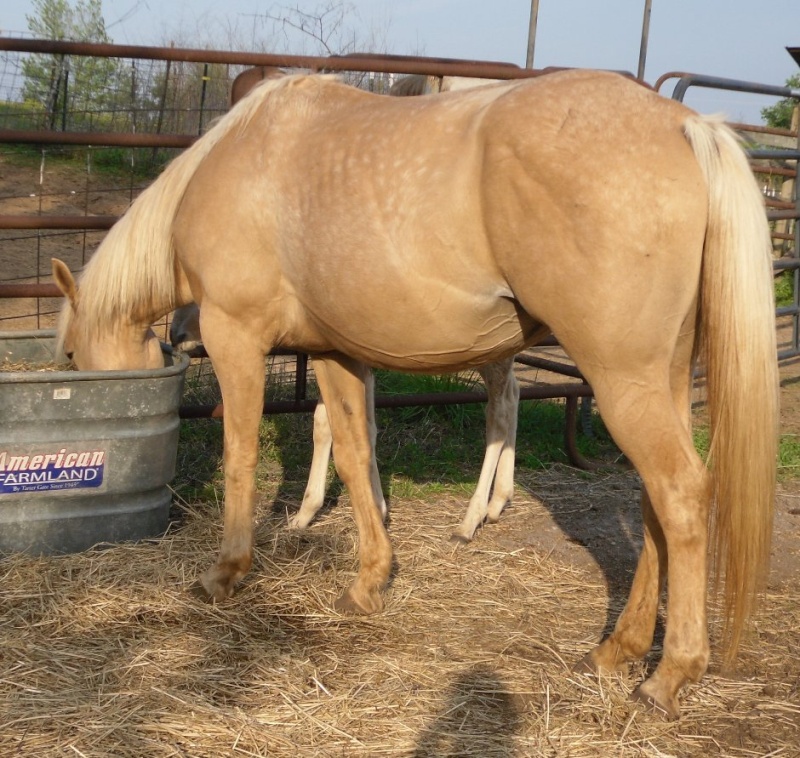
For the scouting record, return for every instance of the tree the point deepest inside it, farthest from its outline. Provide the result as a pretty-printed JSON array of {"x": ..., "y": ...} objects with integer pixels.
[
  {"x": 330, "y": 28},
  {"x": 63, "y": 84},
  {"x": 779, "y": 116}
]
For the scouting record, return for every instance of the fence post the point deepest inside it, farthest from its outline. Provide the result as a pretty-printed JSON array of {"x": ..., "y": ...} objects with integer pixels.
[
  {"x": 202, "y": 99},
  {"x": 65, "y": 103},
  {"x": 162, "y": 106},
  {"x": 133, "y": 96}
]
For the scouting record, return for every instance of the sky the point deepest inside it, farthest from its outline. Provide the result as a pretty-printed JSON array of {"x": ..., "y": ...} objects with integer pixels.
[{"x": 736, "y": 39}]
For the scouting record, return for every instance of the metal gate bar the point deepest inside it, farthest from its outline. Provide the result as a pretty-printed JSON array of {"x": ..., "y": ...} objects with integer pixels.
[{"x": 790, "y": 211}]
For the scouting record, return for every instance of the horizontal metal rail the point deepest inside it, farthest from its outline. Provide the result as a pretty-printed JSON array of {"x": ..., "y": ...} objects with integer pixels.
[
  {"x": 29, "y": 290},
  {"x": 788, "y": 211},
  {"x": 399, "y": 64},
  {"x": 427, "y": 399},
  {"x": 75, "y": 223},
  {"x": 94, "y": 139},
  {"x": 688, "y": 79}
]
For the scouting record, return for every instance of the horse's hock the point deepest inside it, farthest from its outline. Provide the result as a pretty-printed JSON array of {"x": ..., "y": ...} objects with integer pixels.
[{"x": 85, "y": 457}]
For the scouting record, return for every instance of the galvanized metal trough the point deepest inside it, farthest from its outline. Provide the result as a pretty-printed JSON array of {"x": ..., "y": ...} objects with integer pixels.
[{"x": 85, "y": 457}]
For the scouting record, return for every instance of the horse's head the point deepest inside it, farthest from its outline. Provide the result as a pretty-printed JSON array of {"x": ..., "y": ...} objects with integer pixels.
[{"x": 117, "y": 344}]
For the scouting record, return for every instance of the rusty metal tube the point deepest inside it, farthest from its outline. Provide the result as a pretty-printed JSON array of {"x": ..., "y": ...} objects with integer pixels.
[
  {"x": 379, "y": 63},
  {"x": 29, "y": 290},
  {"x": 95, "y": 139},
  {"x": 543, "y": 392},
  {"x": 78, "y": 223}
]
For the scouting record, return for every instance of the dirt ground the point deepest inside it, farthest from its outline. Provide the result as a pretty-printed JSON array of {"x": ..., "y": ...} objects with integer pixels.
[
  {"x": 587, "y": 523},
  {"x": 51, "y": 187}
]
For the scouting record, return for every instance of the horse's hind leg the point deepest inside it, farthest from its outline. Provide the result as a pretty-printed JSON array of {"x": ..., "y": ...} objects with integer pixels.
[
  {"x": 314, "y": 495},
  {"x": 498, "y": 460},
  {"x": 341, "y": 382},
  {"x": 650, "y": 423},
  {"x": 505, "y": 414},
  {"x": 633, "y": 633}
]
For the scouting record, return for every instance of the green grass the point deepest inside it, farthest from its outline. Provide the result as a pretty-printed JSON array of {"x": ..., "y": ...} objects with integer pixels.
[
  {"x": 788, "y": 452},
  {"x": 784, "y": 289},
  {"x": 420, "y": 449},
  {"x": 445, "y": 444},
  {"x": 789, "y": 457},
  {"x": 113, "y": 162}
]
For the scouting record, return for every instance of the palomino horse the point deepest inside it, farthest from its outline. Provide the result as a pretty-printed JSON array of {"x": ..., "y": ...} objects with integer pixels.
[
  {"x": 487, "y": 502},
  {"x": 438, "y": 233}
]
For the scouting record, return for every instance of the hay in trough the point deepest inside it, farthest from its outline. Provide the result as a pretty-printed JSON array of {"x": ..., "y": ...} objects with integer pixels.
[
  {"x": 16, "y": 366},
  {"x": 110, "y": 653}
]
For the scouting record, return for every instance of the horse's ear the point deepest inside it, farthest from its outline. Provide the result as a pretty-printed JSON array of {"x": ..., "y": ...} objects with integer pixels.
[{"x": 65, "y": 281}]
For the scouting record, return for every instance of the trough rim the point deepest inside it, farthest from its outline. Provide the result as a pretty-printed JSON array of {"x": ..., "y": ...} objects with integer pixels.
[{"x": 180, "y": 364}]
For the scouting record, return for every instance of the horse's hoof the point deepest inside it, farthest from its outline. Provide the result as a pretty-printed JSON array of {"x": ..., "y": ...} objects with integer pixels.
[
  {"x": 590, "y": 666},
  {"x": 493, "y": 514},
  {"x": 215, "y": 589},
  {"x": 349, "y": 604},
  {"x": 459, "y": 539},
  {"x": 586, "y": 666},
  {"x": 199, "y": 592},
  {"x": 668, "y": 710},
  {"x": 295, "y": 523}
]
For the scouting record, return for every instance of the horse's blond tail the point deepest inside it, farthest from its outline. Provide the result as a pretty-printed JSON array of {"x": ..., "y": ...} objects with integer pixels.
[{"x": 738, "y": 341}]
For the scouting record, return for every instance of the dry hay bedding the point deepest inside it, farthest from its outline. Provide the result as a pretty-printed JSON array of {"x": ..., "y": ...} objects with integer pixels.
[{"x": 109, "y": 653}]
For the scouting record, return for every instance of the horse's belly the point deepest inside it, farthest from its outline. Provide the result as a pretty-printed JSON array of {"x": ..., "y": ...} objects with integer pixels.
[{"x": 436, "y": 337}]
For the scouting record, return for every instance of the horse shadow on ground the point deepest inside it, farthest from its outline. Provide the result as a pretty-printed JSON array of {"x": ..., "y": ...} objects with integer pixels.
[
  {"x": 478, "y": 717},
  {"x": 593, "y": 521}
]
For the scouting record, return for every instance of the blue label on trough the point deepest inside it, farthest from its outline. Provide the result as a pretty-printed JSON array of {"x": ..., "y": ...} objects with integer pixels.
[{"x": 62, "y": 469}]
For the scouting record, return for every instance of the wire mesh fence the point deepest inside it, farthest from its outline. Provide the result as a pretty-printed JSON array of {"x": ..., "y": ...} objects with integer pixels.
[
  {"x": 85, "y": 94},
  {"x": 61, "y": 92},
  {"x": 57, "y": 92}
]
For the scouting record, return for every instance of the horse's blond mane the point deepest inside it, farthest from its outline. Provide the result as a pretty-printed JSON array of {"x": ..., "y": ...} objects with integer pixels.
[{"x": 132, "y": 273}]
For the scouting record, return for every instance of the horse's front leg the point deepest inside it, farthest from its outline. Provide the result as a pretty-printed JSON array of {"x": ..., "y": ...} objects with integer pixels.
[
  {"x": 341, "y": 381},
  {"x": 240, "y": 370}
]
